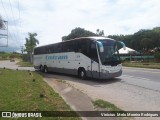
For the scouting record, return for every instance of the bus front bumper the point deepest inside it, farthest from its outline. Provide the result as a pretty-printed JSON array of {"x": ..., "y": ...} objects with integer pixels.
[{"x": 110, "y": 75}]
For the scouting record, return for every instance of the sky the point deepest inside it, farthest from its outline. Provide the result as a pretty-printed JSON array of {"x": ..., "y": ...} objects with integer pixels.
[{"x": 52, "y": 19}]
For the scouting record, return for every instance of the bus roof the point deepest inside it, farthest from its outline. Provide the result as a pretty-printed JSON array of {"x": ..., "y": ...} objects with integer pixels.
[{"x": 92, "y": 38}]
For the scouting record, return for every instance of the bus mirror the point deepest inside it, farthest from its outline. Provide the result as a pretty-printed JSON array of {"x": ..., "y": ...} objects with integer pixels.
[
  {"x": 101, "y": 49},
  {"x": 124, "y": 46},
  {"x": 100, "y": 45}
]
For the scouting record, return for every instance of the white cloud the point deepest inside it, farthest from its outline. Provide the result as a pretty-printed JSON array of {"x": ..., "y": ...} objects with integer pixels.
[{"x": 52, "y": 19}]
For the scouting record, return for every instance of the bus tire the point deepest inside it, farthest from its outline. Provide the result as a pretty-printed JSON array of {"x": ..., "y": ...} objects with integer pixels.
[
  {"x": 41, "y": 68},
  {"x": 45, "y": 69},
  {"x": 82, "y": 74}
]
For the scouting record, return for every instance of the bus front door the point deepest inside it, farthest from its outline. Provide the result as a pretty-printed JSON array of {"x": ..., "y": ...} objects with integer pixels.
[{"x": 95, "y": 69}]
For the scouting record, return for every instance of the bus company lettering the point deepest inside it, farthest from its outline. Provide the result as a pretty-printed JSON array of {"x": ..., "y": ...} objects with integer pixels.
[{"x": 62, "y": 57}]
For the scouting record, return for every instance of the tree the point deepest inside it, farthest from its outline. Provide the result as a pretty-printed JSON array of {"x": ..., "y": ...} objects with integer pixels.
[
  {"x": 78, "y": 32},
  {"x": 31, "y": 43},
  {"x": 144, "y": 39},
  {"x": 97, "y": 31},
  {"x": 100, "y": 32}
]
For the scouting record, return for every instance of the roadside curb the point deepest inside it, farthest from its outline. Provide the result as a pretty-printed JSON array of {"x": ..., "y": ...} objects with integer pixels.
[{"x": 76, "y": 99}]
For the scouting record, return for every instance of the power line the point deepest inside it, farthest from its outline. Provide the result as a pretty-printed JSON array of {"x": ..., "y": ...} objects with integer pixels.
[
  {"x": 4, "y": 9},
  {"x": 13, "y": 16},
  {"x": 20, "y": 24},
  {"x": 8, "y": 19},
  {"x": 5, "y": 35},
  {"x": 18, "y": 10}
]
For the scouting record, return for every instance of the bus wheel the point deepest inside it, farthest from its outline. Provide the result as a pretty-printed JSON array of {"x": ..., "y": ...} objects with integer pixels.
[
  {"x": 45, "y": 69},
  {"x": 41, "y": 68},
  {"x": 82, "y": 74}
]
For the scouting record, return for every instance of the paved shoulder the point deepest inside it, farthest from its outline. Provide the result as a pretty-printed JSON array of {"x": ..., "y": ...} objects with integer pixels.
[
  {"x": 14, "y": 66},
  {"x": 77, "y": 100}
]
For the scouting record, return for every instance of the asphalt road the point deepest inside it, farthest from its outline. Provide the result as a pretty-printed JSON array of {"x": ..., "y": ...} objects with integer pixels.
[
  {"x": 136, "y": 90},
  {"x": 146, "y": 78}
]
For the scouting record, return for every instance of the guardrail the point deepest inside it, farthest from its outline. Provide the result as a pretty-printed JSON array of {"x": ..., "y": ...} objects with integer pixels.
[{"x": 136, "y": 57}]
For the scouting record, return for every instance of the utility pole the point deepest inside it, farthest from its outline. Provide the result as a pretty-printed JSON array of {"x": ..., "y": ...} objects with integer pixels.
[
  {"x": 4, "y": 30},
  {"x": 22, "y": 50}
]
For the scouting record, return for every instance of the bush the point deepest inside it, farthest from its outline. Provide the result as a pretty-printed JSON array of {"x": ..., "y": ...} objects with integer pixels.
[
  {"x": 157, "y": 55},
  {"x": 25, "y": 58}
]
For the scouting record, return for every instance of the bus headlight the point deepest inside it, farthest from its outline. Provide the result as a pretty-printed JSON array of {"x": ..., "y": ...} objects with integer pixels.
[{"x": 104, "y": 71}]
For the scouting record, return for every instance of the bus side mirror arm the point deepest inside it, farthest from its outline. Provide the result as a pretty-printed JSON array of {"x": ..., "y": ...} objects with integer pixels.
[
  {"x": 100, "y": 45},
  {"x": 122, "y": 44}
]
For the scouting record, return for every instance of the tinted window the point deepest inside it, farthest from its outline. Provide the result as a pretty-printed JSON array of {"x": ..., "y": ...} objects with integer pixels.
[
  {"x": 56, "y": 49},
  {"x": 82, "y": 46},
  {"x": 88, "y": 48},
  {"x": 93, "y": 51},
  {"x": 68, "y": 46},
  {"x": 39, "y": 50}
]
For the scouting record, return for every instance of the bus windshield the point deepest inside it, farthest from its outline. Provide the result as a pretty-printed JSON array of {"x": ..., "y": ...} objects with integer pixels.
[{"x": 110, "y": 54}]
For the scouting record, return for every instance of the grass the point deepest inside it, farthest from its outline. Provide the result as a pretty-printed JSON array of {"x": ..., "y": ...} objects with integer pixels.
[
  {"x": 152, "y": 65},
  {"x": 111, "y": 108},
  {"x": 104, "y": 104},
  {"x": 20, "y": 93},
  {"x": 24, "y": 64}
]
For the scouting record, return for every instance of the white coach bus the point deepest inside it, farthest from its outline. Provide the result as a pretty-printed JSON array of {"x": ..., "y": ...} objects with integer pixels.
[{"x": 95, "y": 57}]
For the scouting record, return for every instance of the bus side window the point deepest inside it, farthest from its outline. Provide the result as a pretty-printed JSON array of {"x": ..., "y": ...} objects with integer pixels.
[
  {"x": 36, "y": 51},
  {"x": 74, "y": 46},
  {"x": 47, "y": 50},
  {"x": 79, "y": 47},
  {"x": 93, "y": 52},
  {"x": 56, "y": 48},
  {"x": 69, "y": 47},
  {"x": 60, "y": 47},
  {"x": 75, "y": 43},
  {"x": 52, "y": 48},
  {"x": 82, "y": 46},
  {"x": 41, "y": 50},
  {"x": 64, "y": 47},
  {"x": 44, "y": 50}
]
